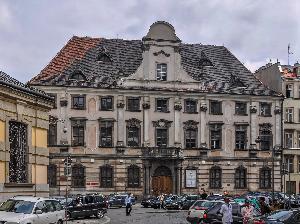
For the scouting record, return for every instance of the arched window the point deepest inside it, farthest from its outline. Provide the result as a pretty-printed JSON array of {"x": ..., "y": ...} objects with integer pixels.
[
  {"x": 133, "y": 173},
  {"x": 240, "y": 177},
  {"x": 78, "y": 176},
  {"x": 52, "y": 175},
  {"x": 106, "y": 176},
  {"x": 265, "y": 177},
  {"x": 215, "y": 177},
  {"x": 78, "y": 75}
]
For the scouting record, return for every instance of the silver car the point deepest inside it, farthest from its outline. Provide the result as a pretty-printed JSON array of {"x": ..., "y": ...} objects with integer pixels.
[{"x": 33, "y": 210}]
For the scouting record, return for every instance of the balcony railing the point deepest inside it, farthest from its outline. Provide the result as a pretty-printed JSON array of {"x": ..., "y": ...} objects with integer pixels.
[{"x": 154, "y": 152}]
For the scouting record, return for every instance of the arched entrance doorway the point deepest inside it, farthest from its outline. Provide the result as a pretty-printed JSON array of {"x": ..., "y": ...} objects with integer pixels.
[{"x": 162, "y": 181}]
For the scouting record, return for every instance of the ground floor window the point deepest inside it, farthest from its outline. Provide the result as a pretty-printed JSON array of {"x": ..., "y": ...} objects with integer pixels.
[
  {"x": 52, "y": 178},
  {"x": 265, "y": 177},
  {"x": 240, "y": 177},
  {"x": 78, "y": 176},
  {"x": 133, "y": 176},
  {"x": 106, "y": 176},
  {"x": 215, "y": 177}
]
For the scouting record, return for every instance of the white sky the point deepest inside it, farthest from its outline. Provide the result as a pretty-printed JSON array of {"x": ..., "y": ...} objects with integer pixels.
[{"x": 33, "y": 31}]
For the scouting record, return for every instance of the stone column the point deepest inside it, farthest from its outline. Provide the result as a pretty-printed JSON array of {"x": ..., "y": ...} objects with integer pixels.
[
  {"x": 146, "y": 121},
  {"x": 203, "y": 109},
  {"x": 177, "y": 130},
  {"x": 120, "y": 121}
]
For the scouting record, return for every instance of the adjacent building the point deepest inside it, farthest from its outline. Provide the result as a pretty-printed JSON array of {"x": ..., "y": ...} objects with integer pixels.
[
  {"x": 24, "y": 156},
  {"x": 157, "y": 116},
  {"x": 286, "y": 79}
]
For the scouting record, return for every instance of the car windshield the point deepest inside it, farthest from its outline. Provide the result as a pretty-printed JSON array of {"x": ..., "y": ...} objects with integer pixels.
[
  {"x": 198, "y": 204},
  {"x": 17, "y": 206},
  {"x": 280, "y": 215},
  {"x": 209, "y": 204}
]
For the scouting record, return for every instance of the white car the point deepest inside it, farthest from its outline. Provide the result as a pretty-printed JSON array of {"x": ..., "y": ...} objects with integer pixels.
[
  {"x": 31, "y": 210},
  {"x": 197, "y": 210}
]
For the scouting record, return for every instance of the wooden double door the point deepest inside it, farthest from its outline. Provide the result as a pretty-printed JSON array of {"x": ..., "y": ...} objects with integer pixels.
[{"x": 162, "y": 184}]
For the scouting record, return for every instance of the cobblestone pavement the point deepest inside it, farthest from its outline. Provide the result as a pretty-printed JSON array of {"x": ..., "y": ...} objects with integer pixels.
[
  {"x": 104, "y": 220},
  {"x": 141, "y": 215}
]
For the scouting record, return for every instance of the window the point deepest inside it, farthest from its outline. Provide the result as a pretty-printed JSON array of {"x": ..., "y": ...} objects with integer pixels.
[
  {"x": 190, "y": 106},
  {"x": 291, "y": 189},
  {"x": 78, "y": 102},
  {"x": 52, "y": 178},
  {"x": 215, "y": 177},
  {"x": 133, "y": 132},
  {"x": 191, "y": 178},
  {"x": 265, "y": 109},
  {"x": 18, "y": 152},
  {"x": 103, "y": 57},
  {"x": 133, "y": 176},
  {"x": 106, "y": 103},
  {"x": 265, "y": 178},
  {"x": 162, "y": 105},
  {"x": 288, "y": 137},
  {"x": 289, "y": 91},
  {"x": 78, "y": 127},
  {"x": 161, "y": 72},
  {"x": 190, "y": 135},
  {"x": 161, "y": 137},
  {"x": 106, "y": 176},
  {"x": 106, "y": 133},
  {"x": 78, "y": 75},
  {"x": 289, "y": 161},
  {"x": 240, "y": 177},
  {"x": 241, "y": 108},
  {"x": 266, "y": 136},
  {"x": 133, "y": 104},
  {"x": 240, "y": 136},
  {"x": 215, "y": 136},
  {"x": 52, "y": 134},
  {"x": 289, "y": 115},
  {"x": 78, "y": 176},
  {"x": 216, "y": 107}
]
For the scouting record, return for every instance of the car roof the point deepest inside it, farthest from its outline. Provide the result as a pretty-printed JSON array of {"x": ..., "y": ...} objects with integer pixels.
[{"x": 30, "y": 198}]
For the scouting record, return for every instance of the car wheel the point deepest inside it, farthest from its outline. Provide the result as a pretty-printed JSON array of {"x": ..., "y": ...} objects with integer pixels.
[
  {"x": 60, "y": 222},
  {"x": 100, "y": 214}
]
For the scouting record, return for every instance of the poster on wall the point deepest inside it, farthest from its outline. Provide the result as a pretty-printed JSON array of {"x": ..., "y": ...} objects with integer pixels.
[{"x": 190, "y": 178}]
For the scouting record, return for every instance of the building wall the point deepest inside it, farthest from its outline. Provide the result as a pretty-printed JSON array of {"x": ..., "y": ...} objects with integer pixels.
[{"x": 33, "y": 112}]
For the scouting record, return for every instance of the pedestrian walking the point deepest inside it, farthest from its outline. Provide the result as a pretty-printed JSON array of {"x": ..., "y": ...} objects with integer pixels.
[
  {"x": 264, "y": 208},
  {"x": 247, "y": 212},
  {"x": 161, "y": 200},
  {"x": 204, "y": 194},
  {"x": 226, "y": 212},
  {"x": 128, "y": 203}
]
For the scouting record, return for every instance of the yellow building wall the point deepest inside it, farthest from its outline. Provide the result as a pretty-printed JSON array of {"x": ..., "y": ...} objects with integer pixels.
[
  {"x": 2, "y": 131},
  {"x": 39, "y": 174},
  {"x": 39, "y": 137},
  {"x": 2, "y": 172}
]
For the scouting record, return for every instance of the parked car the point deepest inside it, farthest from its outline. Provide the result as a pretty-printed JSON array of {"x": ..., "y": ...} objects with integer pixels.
[
  {"x": 279, "y": 217},
  {"x": 198, "y": 209},
  {"x": 188, "y": 201},
  {"x": 215, "y": 197},
  {"x": 28, "y": 209},
  {"x": 86, "y": 206},
  {"x": 155, "y": 203},
  {"x": 213, "y": 215},
  {"x": 146, "y": 202},
  {"x": 116, "y": 201}
]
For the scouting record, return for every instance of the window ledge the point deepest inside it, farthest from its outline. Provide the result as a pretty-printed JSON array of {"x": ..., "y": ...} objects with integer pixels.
[
  {"x": 241, "y": 114},
  {"x": 162, "y": 111},
  {"x": 23, "y": 185},
  {"x": 265, "y": 115},
  {"x": 134, "y": 110},
  {"x": 186, "y": 112},
  {"x": 102, "y": 146},
  {"x": 74, "y": 108},
  {"x": 105, "y": 109},
  {"x": 216, "y": 113}
]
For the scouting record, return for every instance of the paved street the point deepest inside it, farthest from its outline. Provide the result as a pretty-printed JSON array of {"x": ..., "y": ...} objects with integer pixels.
[{"x": 139, "y": 215}]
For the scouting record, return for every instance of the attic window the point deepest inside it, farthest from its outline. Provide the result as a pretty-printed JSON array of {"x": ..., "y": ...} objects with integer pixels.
[
  {"x": 78, "y": 75},
  {"x": 205, "y": 62},
  {"x": 103, "y": 57}
]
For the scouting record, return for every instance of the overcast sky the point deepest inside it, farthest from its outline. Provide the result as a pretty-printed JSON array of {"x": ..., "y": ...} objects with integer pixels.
[{"x": 33, "y": 31}]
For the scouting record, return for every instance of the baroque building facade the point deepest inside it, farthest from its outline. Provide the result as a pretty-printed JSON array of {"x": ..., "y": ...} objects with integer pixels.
[
  {"x": 157, "y": 116},
  {"x": 286, "y": 79},
  {"x": 24, "y": 156}
]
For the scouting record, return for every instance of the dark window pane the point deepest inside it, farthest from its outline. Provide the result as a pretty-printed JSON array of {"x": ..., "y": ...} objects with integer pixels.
[
  {"x": 133, "y": 136},
  {"x": 161, "y": 72},
  {"x": 106, "y": 133},
  {"x": 190, "y": 138},
  {"x": 133, "y": 176},
  {"x": 78, "y": 102},
  {"x": 52, "y": 134},
  {"x": 240, "y": 137},
  {"x": 106, "y": 176},
  {"x": 265, "y": 109},
  {"x": 78, "y": 176},
  {"x": 52, "y": 178},
  {"x": 106, "y": 103},
  {"x": 215, "y": 107},
  {"x": 133, "y": 104},
  {"x": 215, "y": 177},
  {"x": 215, "y": 136},
  {"x": 190, "y": 106},
  {"x": 162, "y": 105},
  {"x": 240, "y": 177},
  {"x": 161, "y": 137},
  {"x": 78, "y": 136},
  {"x": 265, "y": 178},
  {"x": 241, "y": 108}
]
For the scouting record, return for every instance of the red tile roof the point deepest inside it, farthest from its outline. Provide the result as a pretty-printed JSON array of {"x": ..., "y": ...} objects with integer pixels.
[{"x": 75, "y": 49}]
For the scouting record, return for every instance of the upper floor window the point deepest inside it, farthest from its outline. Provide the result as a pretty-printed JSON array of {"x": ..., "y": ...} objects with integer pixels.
[
  {"x": 241, "y": 108},
  {"x": 78, "y": 75},
  {"x": 106, "y": 103},
  {"x": 78, "y": 127},
  {"x": 106, "y": 133},
  {"x": 289, "y": 91},
  {"x": 78, "y": 102},
  {"x": 78, "y": 176},
  {"x": 190, "y": 106},
  {"x": 161, "y": 137},
  {"x": 52, "y": 134},
  {"x": 289, "y": 161},
  {"x": 215, "y": 136},
  {"x": 240, "y": 136},
  {"x": 289, "y": 114},
  {"x": 265, "y": 135},
  {"x": 133, "y": 104},
  {"x": 288, "y": 138},
  {"x": 265, "y": 109},
  {"x": 161, "y": 72},
  {"x": 162, "y": 105},
  {"x": 215, "y": 107},
  {"x": 133, "y": 132},
  {"x": 190, "y": 136}
]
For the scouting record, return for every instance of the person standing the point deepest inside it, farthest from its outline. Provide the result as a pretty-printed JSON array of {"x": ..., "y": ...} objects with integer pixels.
[
  {"x": 128, "y": 203},
  {"x": 226, "y": 211},
  {"x": 161, "y": 200},
  {"x": 204, "y": 194},
  {"x": 247, "y": 212}
]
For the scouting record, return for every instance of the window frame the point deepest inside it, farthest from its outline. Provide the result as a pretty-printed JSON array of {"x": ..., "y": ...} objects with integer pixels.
[
  {"x": 289, "y": 90},
  {"x": 190, "y": 109},
  {"x": 238, "y": 110},
  {"x": 160, "y": 74},
  {"x": 216, "y": 111},
  {"x": 101, "y": 108},
  {"x": 213, "y": 129},
  {"x": 239, "y": 129},
  {"x": 52, "y": 175},
  {"x": 135, "y": 108},
  {"x": 265, "y": 112},
  {"x": 52, "y": 137},
  {"x": 82, "y": 107},
  {"x": 289, "y": 115},
  {"x": 133, "y": 176},
  {"x": 291, "y": 138},
  {"x": 160, "y": 109},
  {"x": 186, "y": 139},
  {"x": 289, "y": 161},
  {"x": 156, "y": 136},
  {"x": 240, "y": 178},
  {"x": 108, "y": 176},
  {"x": 80, "y": 125},
  {"x": 215, "y": 174},
  {"x": 265, "y": 172},
  {"x": 78, "y": 181},
  {"x": 106, "y": 133}
]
